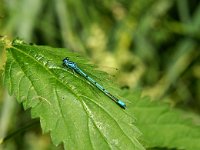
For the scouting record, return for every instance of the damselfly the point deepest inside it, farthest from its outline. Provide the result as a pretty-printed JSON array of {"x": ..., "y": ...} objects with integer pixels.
[{"x": 72, "y": 65}]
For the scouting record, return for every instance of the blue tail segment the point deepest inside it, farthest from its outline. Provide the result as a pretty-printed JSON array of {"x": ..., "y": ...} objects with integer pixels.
[{"x": 121, "y": 104}]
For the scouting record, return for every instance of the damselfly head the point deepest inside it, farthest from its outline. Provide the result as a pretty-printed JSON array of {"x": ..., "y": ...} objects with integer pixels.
[{"x": 66, "y": 60}]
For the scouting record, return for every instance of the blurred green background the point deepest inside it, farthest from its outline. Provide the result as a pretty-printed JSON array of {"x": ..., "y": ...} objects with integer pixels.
[{"x": 155, "y": 45}]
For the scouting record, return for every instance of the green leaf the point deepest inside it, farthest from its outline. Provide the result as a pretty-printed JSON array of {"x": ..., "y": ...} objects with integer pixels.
[
  {"x": 75, "y": 113},
  {"x": 163, "y": 126}
]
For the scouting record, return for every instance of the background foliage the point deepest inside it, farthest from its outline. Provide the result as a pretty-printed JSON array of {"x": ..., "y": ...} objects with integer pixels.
[{"x": 154, "y": 44}]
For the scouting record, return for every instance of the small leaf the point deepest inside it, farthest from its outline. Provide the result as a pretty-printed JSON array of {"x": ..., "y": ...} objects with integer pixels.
[
  {"x": 163, "y": 126},
  {"x": 65, "y": 102}
]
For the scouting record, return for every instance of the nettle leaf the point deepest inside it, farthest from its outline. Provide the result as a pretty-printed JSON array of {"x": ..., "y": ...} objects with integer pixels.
[
  {"x": 75, "y": 113},
  {"x": 163, "y": 126}
]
